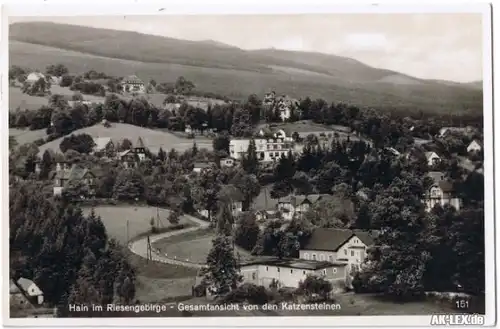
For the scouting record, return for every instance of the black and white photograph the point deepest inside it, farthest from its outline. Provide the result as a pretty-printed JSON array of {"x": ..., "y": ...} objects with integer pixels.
[{"x": 249, "y": 165}]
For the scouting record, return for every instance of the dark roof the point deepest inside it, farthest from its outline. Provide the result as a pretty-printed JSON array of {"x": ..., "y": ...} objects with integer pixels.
[
  {"x": 368, "y": 238},
  {"x": 75, "y": 173},
  {"x": 296, "y": 200},
  {"x": 437, "y": 176},
  {"x": 133, "y": 79},
  {"x": 328, "y": 239},
  {"x": 303, "y": 264},
  {"x": 139, "y": 143},
  {"x": 202, "y": 165},
  {"x": 446, "y": 186}
]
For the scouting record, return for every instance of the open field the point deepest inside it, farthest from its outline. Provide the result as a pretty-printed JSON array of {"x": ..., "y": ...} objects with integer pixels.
[
  {"x": 153, "y": 139},
  {"x": 238, "y": 81},
  {"x": 192, "y": 247},
  {"x": 24, "y": 101},
  {"x": 115, "y": 220},
  {"x": 24, "y": 136}
]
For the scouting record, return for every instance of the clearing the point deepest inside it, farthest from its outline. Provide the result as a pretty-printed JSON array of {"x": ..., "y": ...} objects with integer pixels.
[
  {"x": 155, "y": 281},
  {"x": 24, "y": 101},
  {"x": 24, "y": 136},
  {"x": 192, "y": 247},
  {"x": 153, "y": 139},
  {"x": 115, "y": 220}
]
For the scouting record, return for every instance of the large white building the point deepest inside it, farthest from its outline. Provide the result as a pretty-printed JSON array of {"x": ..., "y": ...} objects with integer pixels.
[
  {"x": 289, "y": 272},
  {"x": 269, "y": 148}
]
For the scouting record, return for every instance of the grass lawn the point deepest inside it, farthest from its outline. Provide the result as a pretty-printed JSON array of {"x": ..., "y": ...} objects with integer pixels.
[
  {"x": 153, "y": 139},
  {"x": 115, "y": 220},
  {"x": 24, "y": 136},
  {"x": 192, "y": 247},
  {"x": 24, "y": 101}
]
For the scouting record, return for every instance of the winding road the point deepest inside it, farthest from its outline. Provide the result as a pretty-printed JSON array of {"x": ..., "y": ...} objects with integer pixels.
[{"x": 140, "y": 246}]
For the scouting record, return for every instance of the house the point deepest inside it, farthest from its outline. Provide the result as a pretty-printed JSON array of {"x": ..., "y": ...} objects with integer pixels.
[
  {"x": 440, "y": 192},
  {"x": 200, "y": 166},
  {"x": 34, "y": 77},
  {"x": 234, "y": 198},
  {"x": 338, "y": 245},
  {"x": 291, "y": 205},
  {"x": 289, "y": 272},
  {"x": 102, "y": 144},
  {"x": 269, "y": 148},
  {"x": 131, "y": 158},
  {"x": 285, "y": 106},
  {"x": 475, "y": 146},
  {"x": 227, "y": 162},
  {"x": 133, "y": 84},
  {"x": 65, "y": 175},
  {"x": 459, "y": 130},
  {"x": 264, "y": 215},
  {"x": 30, "y": 291},
  {"x": 432, "y": 158}
]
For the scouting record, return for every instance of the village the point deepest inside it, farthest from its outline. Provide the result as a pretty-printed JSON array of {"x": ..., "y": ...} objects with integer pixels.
[{"x": 129, "y": 191}]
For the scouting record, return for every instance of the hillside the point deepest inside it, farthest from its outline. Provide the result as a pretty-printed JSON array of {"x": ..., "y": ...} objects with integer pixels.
[
  {"x": 153, "y": 139},
  {"x": 230, "y": 71}
]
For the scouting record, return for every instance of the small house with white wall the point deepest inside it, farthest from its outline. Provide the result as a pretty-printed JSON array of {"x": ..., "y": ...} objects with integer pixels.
[
  {"x": 441, "y": 192},
  {"x": 34, "y": 77},
  {"x": 289, "y": 272},
  {"x": 133, "y": 84},
  {"x": 293, "y": 205},
  {"x": 30, "y": 290},
  {"x": 227, "y": 162},
  {"x": 432, "y": 158},
  {"x": 475, "y": 146}
]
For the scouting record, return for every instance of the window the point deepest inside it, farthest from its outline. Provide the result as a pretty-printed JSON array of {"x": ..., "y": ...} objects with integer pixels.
[
  {"x": 304, "y": 272},
  {"x": 306, "y": 256},
  {"x": 314, "y": 256},
  {"x": 253, "y": 276},
  {"x": 278, "y": 269},
  {"x": 352, "y": 252},
  {"x": 345, "y": 251},
  {"x": 330, "y": 258},
  {"x": 291, "y": 271},
  {"x": 321, "y": 257},
  {"x": 267, "y": 268},
  {"x": 334, "y": 270},
  {"x": 324, "y": 272}
]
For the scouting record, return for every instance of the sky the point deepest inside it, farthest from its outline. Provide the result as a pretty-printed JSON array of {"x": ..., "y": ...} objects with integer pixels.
[{"x": 430, "y": 46}]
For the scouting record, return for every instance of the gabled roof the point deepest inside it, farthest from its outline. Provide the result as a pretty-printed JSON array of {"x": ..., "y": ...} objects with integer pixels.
[
  {"x": 101, "y": 143},
  {"x": 76, "y": 172},
  {"x": 133, "y": 79},
  {"x": 430, "y": 154},
  {"x": 368, "y": 238},
  {"x": 35, "y": 76},
  {"x": 25, "y": 283},
  {"x": 480, "y": 143},
  {"x": 139, "y": 143},
  {"x": 446, "y": 186},
  {"x": 328, "y": 239}
]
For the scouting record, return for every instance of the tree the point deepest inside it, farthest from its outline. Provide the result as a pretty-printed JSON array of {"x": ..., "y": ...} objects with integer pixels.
[
  {"x": 247, "y": 231},
  {"x": 221, "y": 142},
  {"x": 249, "y": 187},
  {"x": 397, "y": 264},
  {"x": 129, "y": 185},
  {"x": 82, "y": 143},
  {"x": 250, "y": 161},
  {"x": 46, "y": 165},
  {"x": 12, "y": 142},
  {"x": 174, "y": 217},
  {"x": 315, "y": 285},
  {"x": 66, "y": 81},
  {"x": 221, "y": 275},
  {"x": 57, "y": 70}
]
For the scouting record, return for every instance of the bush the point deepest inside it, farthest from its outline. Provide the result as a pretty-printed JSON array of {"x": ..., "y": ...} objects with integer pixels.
[{"x": 248, "y": 292}]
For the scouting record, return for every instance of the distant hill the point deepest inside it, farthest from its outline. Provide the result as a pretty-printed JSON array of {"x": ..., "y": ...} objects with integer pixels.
[{"x": 228, "y": 70}]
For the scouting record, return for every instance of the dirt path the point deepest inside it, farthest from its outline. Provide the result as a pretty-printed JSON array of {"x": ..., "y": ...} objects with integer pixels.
[{"x": 140, "y": 246}]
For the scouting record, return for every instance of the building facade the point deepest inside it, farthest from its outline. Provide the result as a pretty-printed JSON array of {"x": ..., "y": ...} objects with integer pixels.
[
  {"x": 297, "y": 204},
  {"x": 289, "y": 272},
  {"x": 133, "y": 84},
  {"x": 268, "y": 149}
]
